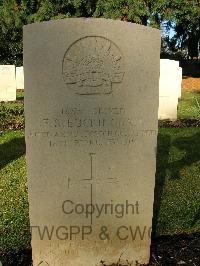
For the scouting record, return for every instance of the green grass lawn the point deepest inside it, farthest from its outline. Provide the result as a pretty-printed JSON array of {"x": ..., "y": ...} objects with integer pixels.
[
  {"x": 20, "y": 95},
  {"x": 14, "y": 222},
  {"x": 177, "y": 203},
  {"x": 11, "y": 115},
  {"x": 189, "y": 105}
]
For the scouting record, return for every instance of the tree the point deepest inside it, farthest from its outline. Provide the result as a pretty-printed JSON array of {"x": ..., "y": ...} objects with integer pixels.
[
  {"x": 12, "y": 19},
  {"x": 50, "y": 9},
  {"x": 182, "y": 15},
  {"x": 16, "y": 13},
  {"x": 145, "y": 12},
  {"x": 186, "y": 17}
]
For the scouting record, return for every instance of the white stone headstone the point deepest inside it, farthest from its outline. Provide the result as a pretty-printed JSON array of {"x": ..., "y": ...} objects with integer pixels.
[
  {"x": 169, "y": 89},
  {"x": 7, "y": 83},
  {"x": 20, "y": 78},
  {"x": 91, "y": 130},
  {"x": 180, "y": 81}
]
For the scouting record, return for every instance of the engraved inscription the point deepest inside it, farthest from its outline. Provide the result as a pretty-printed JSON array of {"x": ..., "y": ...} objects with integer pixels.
[
  {"x": 92, "y": 64},
  {"x": 99, "y": 126}
]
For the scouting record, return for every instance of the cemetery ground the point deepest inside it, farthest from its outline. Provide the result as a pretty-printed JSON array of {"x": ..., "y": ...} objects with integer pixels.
[{"x": 176, "y": 225}]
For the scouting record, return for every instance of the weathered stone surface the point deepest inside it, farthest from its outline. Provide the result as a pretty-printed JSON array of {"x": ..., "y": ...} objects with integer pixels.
[
  {"x": 7, "y": 83},
  {"x": 91, "y": 128}
]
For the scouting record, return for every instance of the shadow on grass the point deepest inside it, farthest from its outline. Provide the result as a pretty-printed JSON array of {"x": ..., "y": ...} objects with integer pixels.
[
  {"x": 16, "y": 257},
  {"x": 196, "y": 218},
  {"x": 11, "y": 150},
  {"x": 164, "y": 142},
  {"x": 189, "y": 146}
]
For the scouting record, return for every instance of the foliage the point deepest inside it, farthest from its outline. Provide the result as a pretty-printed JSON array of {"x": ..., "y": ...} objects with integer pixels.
[
  {"x": 14, "y": 14},
  {"x": 182, "y": 15},
  {"x": 146, "y": 12},
  {"x": 12, "y": 19}
]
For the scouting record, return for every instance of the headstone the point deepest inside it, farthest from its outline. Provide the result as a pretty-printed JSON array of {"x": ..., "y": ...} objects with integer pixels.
[
  {"x": 180, "y": 81},
  {"x": 7, "y": 83},
  {"x": 20, "y": 78},
  {"x": 169, "y": 89},
  {"x": 91, "y": 129}
]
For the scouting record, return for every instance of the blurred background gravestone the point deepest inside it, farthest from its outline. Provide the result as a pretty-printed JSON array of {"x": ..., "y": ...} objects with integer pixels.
[
  {"x": 169, "y": 89},
  {"x": 7, "y": 83},
  {"x": 20, "y": 78}
]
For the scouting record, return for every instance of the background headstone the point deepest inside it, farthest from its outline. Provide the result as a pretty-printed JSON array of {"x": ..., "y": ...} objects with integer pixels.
[
  {"x": 20, "y": 78},
  {"x": 180, "y": 81},
  {"x": 169, "y": 89},
  {"x": 91, "y": 131},
  {"x": 7, "y": 83}
]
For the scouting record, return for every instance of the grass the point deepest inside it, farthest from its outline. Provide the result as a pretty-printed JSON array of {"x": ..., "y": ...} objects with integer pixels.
[
  {"x": 14, "y": 223},
  {"x": 177, "y": 203},
  {"x": 20, "y": 95},
  {"x": 188, "y": 105},
  {"x": 11, "y": 115}
]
